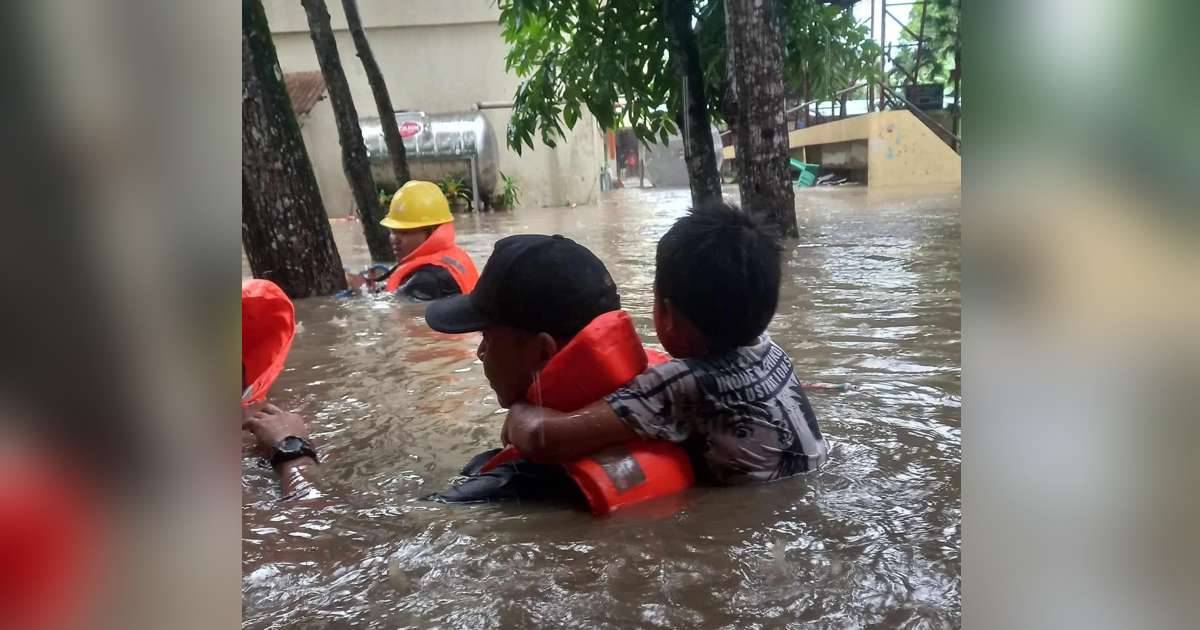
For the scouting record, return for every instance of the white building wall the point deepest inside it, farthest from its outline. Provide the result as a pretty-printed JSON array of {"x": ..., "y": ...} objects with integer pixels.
[
  {"x": 320, "y": 133},
  {"x": 439, "y": 57}
]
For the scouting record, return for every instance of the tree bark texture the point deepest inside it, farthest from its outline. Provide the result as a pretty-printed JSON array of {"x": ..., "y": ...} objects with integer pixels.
[
  {"x": 354, "y": 150},
  {"x": 694, "y": 124},
  {"x": 756, "y": 42},
  {"x": 383, "y": 100},
  {"x": 285, "y": 230}
]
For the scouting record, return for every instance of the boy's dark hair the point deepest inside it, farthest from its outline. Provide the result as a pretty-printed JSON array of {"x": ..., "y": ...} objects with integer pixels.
[{"x": 721, "y": 271}]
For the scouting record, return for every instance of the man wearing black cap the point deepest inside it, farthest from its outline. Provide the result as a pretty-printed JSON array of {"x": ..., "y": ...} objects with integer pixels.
[{"x": 535, "y": 295}]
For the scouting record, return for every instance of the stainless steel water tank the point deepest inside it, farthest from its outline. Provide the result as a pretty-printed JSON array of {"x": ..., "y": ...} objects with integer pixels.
[{"x": 436, "y": 145}]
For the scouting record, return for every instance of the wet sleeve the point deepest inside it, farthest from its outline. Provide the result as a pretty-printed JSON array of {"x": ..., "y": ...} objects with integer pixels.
[
  {"x": 428, "y": 283},
  {"x": 659, "y": 403}
]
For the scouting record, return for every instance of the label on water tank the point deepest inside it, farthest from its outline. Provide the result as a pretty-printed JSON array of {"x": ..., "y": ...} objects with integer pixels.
[{"x": 409, "y": 128}]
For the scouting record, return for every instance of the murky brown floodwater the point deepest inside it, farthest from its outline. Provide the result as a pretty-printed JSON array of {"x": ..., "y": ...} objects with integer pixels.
[{"x": 870, "y": 298}]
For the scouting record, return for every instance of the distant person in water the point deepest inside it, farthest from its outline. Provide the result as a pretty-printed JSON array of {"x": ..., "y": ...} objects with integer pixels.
[
  {"x": 430, "y": 265},
  {"x": 730, "y": 396}
]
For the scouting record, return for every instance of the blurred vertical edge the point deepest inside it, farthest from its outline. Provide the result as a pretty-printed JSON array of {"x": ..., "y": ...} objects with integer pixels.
[
  {"x": 1081, "y": 297},
  {"x": 121, "y": 273}
]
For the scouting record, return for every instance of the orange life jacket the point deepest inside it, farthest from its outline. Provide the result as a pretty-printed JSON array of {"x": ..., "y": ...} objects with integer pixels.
[
  {"x": 605, "y": 355},
  {"x": 51, "y": 540},
  {"x": 268, "y": 325},
  {"x": 438, "y": 250}
]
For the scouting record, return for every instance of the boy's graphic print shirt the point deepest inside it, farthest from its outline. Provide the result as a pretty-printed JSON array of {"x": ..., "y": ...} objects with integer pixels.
[{"x": 743, "y": 413}]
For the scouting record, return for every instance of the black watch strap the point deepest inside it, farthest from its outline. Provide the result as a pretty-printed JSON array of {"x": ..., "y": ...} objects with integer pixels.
[{"x": 292, "y": 447}]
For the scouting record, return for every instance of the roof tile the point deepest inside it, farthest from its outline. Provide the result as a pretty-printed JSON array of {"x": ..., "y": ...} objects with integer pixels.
[{"x": 305, "y": 89}]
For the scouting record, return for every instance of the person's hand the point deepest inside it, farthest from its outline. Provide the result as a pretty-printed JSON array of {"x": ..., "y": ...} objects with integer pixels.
[
  {"x": 355, "y": 280},
  {"x": 521, "y": 426},
  {"x": 270, "y": 424},
  {"x": 546, "y": 436}
]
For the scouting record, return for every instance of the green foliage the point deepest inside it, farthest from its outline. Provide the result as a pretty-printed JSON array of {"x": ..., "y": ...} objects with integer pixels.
[
  {"x": 385, "y": 197},
  {"x": 590, "y": 54},
  {"x": 455, "y": 187},
  {"x": 941, "y": 42},
  {"x": 710, "y": 39},
  {"x": 587, "y": 55},
  {"x": 510, "y": 193},
  {"x": 829, "y": 47},
  {"x": 823, "y": 43}
]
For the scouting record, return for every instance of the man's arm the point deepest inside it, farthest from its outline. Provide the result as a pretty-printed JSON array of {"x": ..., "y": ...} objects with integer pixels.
[
  {"x": 270, "y": 425},
  {"x": 553, "y": 437}
]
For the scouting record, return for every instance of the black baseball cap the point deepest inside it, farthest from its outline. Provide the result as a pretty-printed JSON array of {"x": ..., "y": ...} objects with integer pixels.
[{"x": 533, "y": 282}]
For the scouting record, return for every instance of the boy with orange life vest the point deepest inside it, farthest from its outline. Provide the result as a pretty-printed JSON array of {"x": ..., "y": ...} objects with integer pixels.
[
  {"x": 554, "y": 334},
  {"x": 430, "y": 265},
  {"x": 730, "y": 395}
]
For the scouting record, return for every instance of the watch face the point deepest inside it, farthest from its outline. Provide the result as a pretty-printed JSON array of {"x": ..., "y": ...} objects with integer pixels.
[{"x": 290, "y": 445}]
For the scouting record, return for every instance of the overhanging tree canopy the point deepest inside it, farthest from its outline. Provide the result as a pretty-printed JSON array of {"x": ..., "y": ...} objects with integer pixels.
[
  {"x": 938, "y": 48},
  {"x": 587, "y": 55},
  {"x": 826, "y": 49}
]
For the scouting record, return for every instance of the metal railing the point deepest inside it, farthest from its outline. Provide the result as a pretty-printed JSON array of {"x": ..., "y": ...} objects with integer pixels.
[
  {"x": 823, "y": 100},
  {"x": 801, "y": 106}
]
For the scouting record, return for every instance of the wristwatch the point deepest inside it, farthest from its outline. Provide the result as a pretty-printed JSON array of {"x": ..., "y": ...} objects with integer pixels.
[{"x": 292, "y": 447}]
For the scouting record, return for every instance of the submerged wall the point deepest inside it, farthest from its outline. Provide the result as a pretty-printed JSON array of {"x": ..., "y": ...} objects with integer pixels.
[{"x": 900, "y": 150}]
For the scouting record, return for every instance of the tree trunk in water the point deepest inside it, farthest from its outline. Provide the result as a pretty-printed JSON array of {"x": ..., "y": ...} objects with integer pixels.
[
  {"x": 285, "y": 230},
  {"x": 383, "y": 100},
  {"x": 694, "y": 124},
  {"x": 354, "y": 150},
  {"x": 754, "y": 38}
]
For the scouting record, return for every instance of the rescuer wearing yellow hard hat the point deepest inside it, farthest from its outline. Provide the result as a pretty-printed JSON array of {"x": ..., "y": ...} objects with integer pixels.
[{"x": 422, "y": 237}]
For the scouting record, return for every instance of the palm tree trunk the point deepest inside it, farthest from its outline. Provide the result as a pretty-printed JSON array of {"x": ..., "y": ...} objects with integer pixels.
[
  {"x": 694, "y": 124},
  {"x": 754, "y": 39},
  {"x": 383, "y": 100},
  {"x": 285, "y": 230},
  {"x": 354, "y": 150}
]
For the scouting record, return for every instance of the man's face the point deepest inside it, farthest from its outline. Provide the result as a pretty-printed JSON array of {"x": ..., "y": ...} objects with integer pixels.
[
  {"x": 511, "y": 358},
  {"x": 404, "y": 242}
]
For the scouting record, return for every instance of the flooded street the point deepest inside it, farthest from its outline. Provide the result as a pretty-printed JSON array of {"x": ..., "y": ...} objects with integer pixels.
[{"x": 870, "y": 300}]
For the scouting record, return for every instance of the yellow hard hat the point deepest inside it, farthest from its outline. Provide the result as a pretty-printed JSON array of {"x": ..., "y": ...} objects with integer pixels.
[{"x": 416, "y": 205}]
